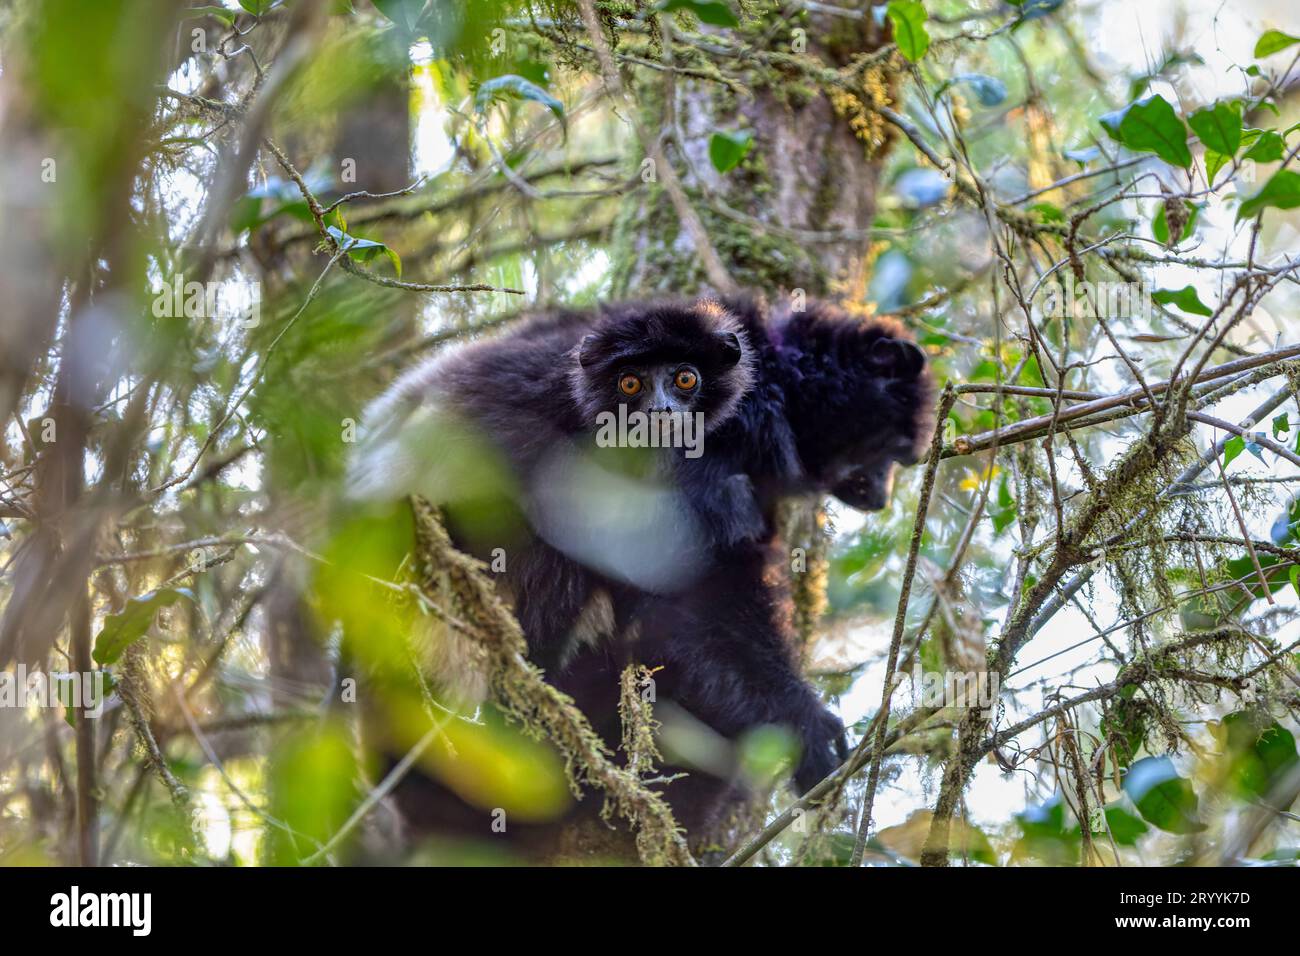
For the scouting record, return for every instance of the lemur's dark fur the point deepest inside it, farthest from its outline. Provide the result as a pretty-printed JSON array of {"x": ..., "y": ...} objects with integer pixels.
[
  {"x": 836, "y": 402},
  {"x": 534, "y": 395},
  {"x": 795, "y": 403}
]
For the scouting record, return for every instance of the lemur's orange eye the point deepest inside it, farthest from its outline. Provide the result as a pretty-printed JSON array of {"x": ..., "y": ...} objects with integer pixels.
[
  {"x": 686, "y": 380},
  {"x": 629, "y": 385}
]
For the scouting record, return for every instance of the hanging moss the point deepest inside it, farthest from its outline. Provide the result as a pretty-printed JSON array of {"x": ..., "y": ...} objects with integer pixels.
[{"x": 463, "y": 596}]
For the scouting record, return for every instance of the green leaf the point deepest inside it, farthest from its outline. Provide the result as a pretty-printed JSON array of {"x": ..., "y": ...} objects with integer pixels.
[
  {"x": 1218, "y": 126},
  {"x": 865, "y": 557},
  {"x": 363, "y": 250},
  {"x": 1213, "y": 163},
  {"x": 1005, "y": 511},
  {"x": 908, "y": 18},
  {"x": 1242, "y": 570},
  {"x": 1122, "y": 825},
  {"x": 766, "y": 752},
  {"x": 1286, "y": 526},
  {"x": 512, "y": 84},
  {"x": 124, "y": 628},
  {"x": 727, "y": 149},
  {"x": 1048, "y": 212},
  {"x": 1260, "y": 753},
  {"x": 256, "y": 7},
  {"x": 1295, "y": 579},
  {"x": 1283, "y": 856},
  {"x": 1282, "y": 191},
  {"x": 224, "y": 14},
  {"x": 977, "y": 845},
  {"x": 534, "y": 71},
  {"x": 1233, "y": 447},
  {"x": 1150, "y": 126},
  {"x": 1164, "y": 799},
  {"x": 711, "y": 12},
  {"x": 308, "y": 776},
  {"x": 245, "y": 213},
  {"x": 1281, "y": 426},
  {"x": 277, "y": 197},
  {"x": 1270, "y": 41},
  {"x": 1269, "y": 147},
  {"x": 1184, "y": 298},
  {"x": 1044, "y": 836}
]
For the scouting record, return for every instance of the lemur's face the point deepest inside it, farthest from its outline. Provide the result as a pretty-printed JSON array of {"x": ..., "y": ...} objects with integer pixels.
[
  {"x": 883, "y": 421},
  {"x": 662, "y": 359},
  {"x": 864, "y": 479},
  {"x": 659, "y": 387}
]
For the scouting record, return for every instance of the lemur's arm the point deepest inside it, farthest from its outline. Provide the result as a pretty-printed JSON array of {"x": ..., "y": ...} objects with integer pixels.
[
  {"x": 728, "y": 658},
  {"x": 724, "y": 501}
]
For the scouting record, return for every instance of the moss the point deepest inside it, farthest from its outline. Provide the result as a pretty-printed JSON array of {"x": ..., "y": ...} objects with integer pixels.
[
  {"x": 647, "y": 258},
  {"x": 762, "y": 260},
  {"x": 456, "y": 589},
  {"x": 804, "y": 526},
  {"x": 753, "y": 175},
  {"x": 636, "y": 711},
  {"x": 843, "y": 38},
  {"x": 798, "y": 95}
]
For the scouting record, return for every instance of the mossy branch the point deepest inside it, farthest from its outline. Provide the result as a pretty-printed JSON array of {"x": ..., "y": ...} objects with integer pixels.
[{"x": 524, "y": 695}]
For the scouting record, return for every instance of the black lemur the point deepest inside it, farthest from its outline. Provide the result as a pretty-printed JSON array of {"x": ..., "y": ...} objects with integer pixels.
[
  {"x": 504, "y": 435},
  {"x": 837, "y": 401},
  {"x": 793, "y": 402}
]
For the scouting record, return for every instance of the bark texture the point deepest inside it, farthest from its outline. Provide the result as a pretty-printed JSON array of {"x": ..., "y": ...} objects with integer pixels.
[{"x": 796, "y": 212}]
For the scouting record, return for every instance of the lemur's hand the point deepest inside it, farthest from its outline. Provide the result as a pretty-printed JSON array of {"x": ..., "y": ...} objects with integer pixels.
[
  {"x": 738, "y": 517},
  {"x": 825, "y": 747}
]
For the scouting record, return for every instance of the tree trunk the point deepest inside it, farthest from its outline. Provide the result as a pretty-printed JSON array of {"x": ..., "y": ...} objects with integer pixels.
[{"x": 796, "y": 212}]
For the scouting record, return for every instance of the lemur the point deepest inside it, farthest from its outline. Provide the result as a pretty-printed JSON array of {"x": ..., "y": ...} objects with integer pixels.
[{"x": 672, "y": 547}]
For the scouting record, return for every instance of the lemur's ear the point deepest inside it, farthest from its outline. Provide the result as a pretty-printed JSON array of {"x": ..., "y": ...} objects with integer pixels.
[
  {"x": 729, "y": 343},
  {"x": 587, "y": 349},
  {"x": 897, "y": 358}
]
